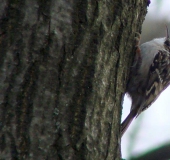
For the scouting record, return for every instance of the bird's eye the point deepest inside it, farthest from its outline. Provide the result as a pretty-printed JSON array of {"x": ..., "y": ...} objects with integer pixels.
[{"x": 167, "y": 43}]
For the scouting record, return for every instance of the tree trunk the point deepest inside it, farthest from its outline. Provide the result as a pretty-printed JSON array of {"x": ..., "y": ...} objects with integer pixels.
[{"x": 64, "y": 68}]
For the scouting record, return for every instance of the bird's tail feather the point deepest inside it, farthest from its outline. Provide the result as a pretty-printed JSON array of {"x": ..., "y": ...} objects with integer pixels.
[{"x": 125, "y": 124}]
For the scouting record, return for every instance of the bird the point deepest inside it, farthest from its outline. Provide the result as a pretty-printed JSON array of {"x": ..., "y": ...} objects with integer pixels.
[{"x": 149, "y": 76}]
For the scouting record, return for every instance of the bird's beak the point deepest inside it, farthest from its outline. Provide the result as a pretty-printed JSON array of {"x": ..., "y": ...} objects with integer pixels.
[{"x": 167, "y": 32}]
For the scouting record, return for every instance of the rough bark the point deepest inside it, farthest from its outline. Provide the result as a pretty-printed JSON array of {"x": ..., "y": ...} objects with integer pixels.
[{"x": 63, "y": 70}]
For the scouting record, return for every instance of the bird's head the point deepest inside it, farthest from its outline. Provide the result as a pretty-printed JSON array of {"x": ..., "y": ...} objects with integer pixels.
[{"x": 167, "y": 40}]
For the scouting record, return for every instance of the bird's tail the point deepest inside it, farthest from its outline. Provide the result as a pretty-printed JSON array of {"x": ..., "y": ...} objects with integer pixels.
[{"x": 125, "y": 124}]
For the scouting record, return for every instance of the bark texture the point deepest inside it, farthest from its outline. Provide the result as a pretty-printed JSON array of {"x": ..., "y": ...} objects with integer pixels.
[{"x": 63, "y": 71}]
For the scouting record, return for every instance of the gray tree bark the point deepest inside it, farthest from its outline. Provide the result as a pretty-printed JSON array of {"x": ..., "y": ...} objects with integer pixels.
[{"x": 63, "y": 71}]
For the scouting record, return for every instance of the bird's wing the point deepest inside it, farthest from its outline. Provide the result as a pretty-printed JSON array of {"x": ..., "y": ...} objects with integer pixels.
[{"x": 158, "y": 78}]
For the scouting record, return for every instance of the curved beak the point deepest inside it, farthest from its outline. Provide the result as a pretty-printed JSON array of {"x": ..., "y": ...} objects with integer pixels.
[{"x": 167, "y": 32}]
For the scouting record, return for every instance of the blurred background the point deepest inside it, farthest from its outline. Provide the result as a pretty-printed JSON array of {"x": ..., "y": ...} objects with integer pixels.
[{"x": 152, "y": 128}]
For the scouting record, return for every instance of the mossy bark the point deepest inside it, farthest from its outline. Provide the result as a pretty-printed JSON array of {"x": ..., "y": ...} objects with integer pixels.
[{"x": 64, "y": 68}]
